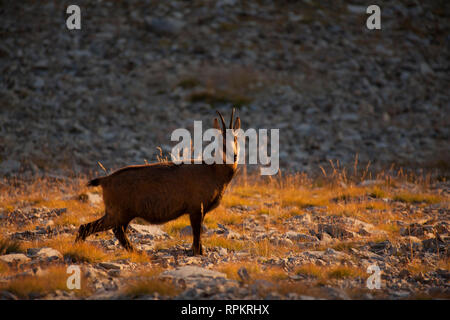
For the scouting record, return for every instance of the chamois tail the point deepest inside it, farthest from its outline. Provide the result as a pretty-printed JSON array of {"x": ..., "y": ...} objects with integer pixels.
[{"x": 94, "y": 182}]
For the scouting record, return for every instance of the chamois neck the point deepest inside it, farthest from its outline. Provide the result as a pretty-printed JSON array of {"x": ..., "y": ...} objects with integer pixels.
[{"x": 226, "y": 171}]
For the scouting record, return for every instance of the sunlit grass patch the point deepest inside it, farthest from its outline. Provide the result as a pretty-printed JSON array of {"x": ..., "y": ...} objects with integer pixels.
[
  {"x": 78, "y": 252},
  {"x": 51, "y": 279},
  {"x": 345, "y": 246},
  {"x": 224, "y": 216},
  {"x": 68, "y": 219},
  {"x": 377, "y": 192},
  {"x": 323, "y": 273},
  {"x": 342, "y": 272},
  {"x": 147, "y": 282},
  {"x": 410, "y": 197},
  {"x": 151, "y": 271},
  {"x": 231, "y": 269},
  {"x": 265, "y": 248},
  {"x": 351, "y": 209},
  {"x": 4, "y": 268},
  {"x": 376, "y": 205},
  {"x": 272, "y": 274},
  {"x": 174, "y": 227},
  {"x": 135, "y": 257},
  {"x": 311, "y": 270},
  {"x": 217, "y": 241},
  {"x": 253, "y": 191},
  {"x": 303, "y": 198},
  {"x": 148, "y": 286},
  {"x": 39, "y": 191},
  {"x": 167, "y": 244},
  {"x": 367, "y": 211},
  {"x": 349, "y": 193},
  {"x": 391, "y": 228},
  {"x": 232, "y": 200},
  {"x": 416, "y": 266},
  {"x": 9, "y": 246}
]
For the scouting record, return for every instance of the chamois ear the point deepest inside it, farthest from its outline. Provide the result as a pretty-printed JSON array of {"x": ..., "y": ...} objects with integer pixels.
[
  {"x": 237, "y": 124},
  {"x": 231, "y": 119},
  {"x": 216, "y": 124}
]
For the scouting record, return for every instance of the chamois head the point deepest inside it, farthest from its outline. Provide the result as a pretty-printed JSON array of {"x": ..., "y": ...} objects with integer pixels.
[{"x": 230, "y": 141}]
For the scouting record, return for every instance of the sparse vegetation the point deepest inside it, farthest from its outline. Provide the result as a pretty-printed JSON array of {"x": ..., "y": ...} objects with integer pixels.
[
  {"x": 275, "y": 205},
  {"x": 410, "y": 197},
  {"x": 78, "y": 252},
  {"x": 49, "y": 281},
  {"x": 9, "y": 246},
  {"x": 323, "y": 273},
  {"x": 147, "y": 282}
]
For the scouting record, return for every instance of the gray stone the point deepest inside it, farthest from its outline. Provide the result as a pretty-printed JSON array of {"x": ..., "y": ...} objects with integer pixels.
[
  {"x": 163, "y": 26},
  {"x": 44, "y": 253},
  {"x": 6, "y": 295},
  {"x": 110, "y": 265},
  {"x": 149, "y": 231},
  {"x": 336, "y": 231},
  {"x": 296, "y": 236},
  {"x": 9, "y": 166},
  {"x": 14, "y": 258},
  {"x": 191, "y": 272}
]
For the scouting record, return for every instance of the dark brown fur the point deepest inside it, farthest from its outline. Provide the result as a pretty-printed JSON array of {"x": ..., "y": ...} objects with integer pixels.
[{"x": 159, "y": 193}]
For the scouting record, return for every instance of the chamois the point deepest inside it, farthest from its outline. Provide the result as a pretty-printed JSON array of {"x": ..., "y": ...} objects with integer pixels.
[{"x": 161, "y": 192}]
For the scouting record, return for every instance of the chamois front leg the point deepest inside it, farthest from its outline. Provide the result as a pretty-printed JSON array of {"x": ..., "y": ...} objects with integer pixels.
[
  {"x": 87, "y": 229},
  {"x": 196, "y": 224},
  {"x": 120, "y": 233}
]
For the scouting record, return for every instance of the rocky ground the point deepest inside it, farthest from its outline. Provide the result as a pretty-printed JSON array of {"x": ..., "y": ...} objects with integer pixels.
[
  {"x": 115, "y": 90},
  {"x": 255, "y": 246}
]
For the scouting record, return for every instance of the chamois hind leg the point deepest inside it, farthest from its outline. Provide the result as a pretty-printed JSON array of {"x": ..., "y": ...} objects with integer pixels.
[
  {"x": 87, "y": 229},
  {"x": 196, "y": 224},
  {"x": 120, "y": 233}
]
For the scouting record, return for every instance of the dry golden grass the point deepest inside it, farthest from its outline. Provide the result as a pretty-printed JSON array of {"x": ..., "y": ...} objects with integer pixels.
[
  {"x": 323, "y": 273},
  {"x": 78, "y": 252},
  {"x": 174, "y": 227},
  {"x": 231, "y": 269},
  {"x": 54, "y": 278},
  {"x": 310, "y": 270},
  {"x": 265, "y": 248},
  {"x": 4, "y": 269},
  {"x": 10, "y": 246},
  {"x": 377, "y": 192},
  {"x": 147, "y": 282},
  {"x": 417, "y": 266},
  {"x": 232, "y": 200},
  {"x": 39, "y": 190},
  {"x": 410, "y": 197},
  {"x": 218, "y": 241},
  {"x": 150, "y": 285},
  {"x": 135, "y": 257},
  {"x": 303, "y": 198},
  {"x": 254, "y": 271},
  {"x": 223, "y": 216}
]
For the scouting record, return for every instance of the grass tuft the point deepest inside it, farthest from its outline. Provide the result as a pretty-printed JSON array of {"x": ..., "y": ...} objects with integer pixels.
[
  {"x": 10, "y": 246},
  {"x": 52, "y": 279}
]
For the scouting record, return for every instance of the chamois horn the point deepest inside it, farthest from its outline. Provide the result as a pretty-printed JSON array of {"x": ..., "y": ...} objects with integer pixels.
[
  {"x": 231, "y": 119},
  {"x": 224, "y": 127}
]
